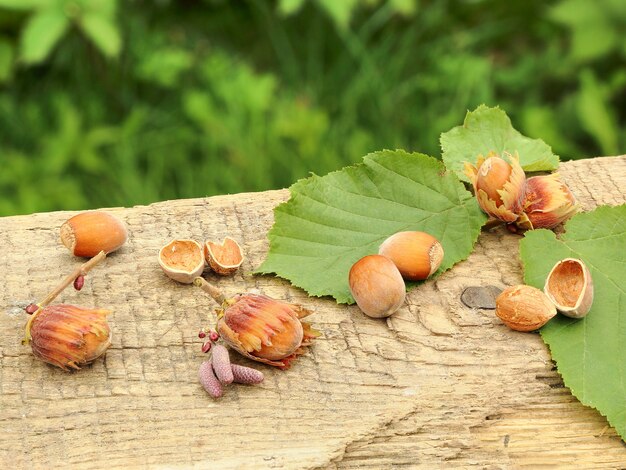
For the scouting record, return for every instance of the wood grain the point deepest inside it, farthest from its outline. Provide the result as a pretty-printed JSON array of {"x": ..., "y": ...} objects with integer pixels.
[{"x": 436, "y": 385}]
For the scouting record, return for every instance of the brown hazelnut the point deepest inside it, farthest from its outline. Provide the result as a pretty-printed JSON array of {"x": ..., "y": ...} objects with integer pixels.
[
  {"x": 68, "y": 336},
  {"x": 377, "y": 286},
  {"x": 499, "y": 185},
  {"x": 89, "y": 233},
  {"x": 417, "y": 255}
]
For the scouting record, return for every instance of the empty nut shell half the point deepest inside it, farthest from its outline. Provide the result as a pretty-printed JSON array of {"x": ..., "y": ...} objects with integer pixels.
[
  {"x": 524, "y": 308},
  {"x": 89, "y": 233},
  {"x": 182, "y": 260},
  {"x": 570, "y": 287},
  {"x": 224, "y": 258}
]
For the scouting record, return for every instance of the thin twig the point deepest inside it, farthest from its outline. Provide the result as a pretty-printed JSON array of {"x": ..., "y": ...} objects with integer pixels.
[
  {"x": 81, "y": 270},
  {"x": 210, "y": 289}
]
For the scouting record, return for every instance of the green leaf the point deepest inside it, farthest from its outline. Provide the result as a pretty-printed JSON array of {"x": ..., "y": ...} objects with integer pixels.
[
  {"x": 594, "y": 111},
  {"x": 41, "y": 33},
  {"x": 486, "y": 129},
  {"x": 290, "y": 7},
  {"x": 24, "y": 4},
  {"x": 332, "y": 221},
  {"x": 165, "y": 66},
  {"x": 105, "y": 8},
  {"x": 6, "y": 60},
  {"x": 103, "y": 32},
  {"x": 593, "y": 34},
  {"x": 404, "y": 7},
  {"x": 594, "y": 41},
  {"x": 339, "y": 12},
  {"x": 590, "y": 353}
]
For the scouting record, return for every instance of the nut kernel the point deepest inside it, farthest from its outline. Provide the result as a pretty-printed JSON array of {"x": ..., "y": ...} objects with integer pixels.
[{"x": 524, "y": 308}]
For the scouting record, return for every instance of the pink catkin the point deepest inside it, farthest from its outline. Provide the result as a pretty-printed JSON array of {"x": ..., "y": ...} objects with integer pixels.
[
  {"x": 221, "y": 364},
  {"x": 246, "y": 375},
  {"x": 209, "y": 381}
]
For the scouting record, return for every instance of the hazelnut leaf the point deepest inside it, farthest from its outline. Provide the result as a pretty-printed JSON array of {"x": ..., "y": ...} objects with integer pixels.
[
  {"x": 590, "y": 353},
  {"x": 489, "y": 129},
  {"x": 330, "y": 222}
]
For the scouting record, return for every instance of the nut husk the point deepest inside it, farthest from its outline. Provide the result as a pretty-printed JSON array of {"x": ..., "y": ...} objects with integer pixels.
[
  {"x": 68, "y": 336},
  {"x": 499, "y": 185},
  {"x": 548, "y": 202},
  {"x": 264, "y": 329},
  {"x": 570, "y": 287}
]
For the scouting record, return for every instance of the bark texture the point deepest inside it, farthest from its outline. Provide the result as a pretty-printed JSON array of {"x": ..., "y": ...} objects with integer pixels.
[{"x": 438, "y": 384}]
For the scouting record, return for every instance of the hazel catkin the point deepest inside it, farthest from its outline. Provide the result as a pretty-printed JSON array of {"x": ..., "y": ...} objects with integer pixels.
[
  {"x": 246, "y": 375},
  {"x": 221, "y": 364},
  {"x": 209, "y": 380}
]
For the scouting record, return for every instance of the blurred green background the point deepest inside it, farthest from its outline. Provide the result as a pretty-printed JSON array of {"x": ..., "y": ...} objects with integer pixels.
[{"x": 106, "y": 103}]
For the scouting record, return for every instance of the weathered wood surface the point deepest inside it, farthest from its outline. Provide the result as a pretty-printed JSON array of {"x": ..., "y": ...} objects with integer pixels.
[{"x": 437, "y": 385}]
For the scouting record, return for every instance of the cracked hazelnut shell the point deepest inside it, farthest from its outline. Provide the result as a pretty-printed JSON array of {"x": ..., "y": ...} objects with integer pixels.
[
  {"x": 182, "y": 260},
  {"x": 570, "y": 287},
  {"x": 223, "y": 258}
]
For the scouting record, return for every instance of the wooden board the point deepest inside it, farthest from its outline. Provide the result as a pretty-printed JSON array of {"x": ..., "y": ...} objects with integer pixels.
[{"x": 436, "y": 385}]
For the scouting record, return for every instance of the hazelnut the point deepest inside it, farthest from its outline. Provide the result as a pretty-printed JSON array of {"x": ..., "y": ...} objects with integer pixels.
[
  {"x": 224, "y": 258},
  {"x": 417, "y": 255},
  {"x": 89, "y": 233},
  {"x": 492, "y": 176},
  {"x": 524, "y": 308},
  {"x": 548, "y": 202},
  {"x": 264, "y": 329},
  {"x": 499, "y": 185},
  {"x": 570, "y": 287},
  {"x": 68, "y": 336},
  {"x": 182, "y": 260},
  {"x": 377, "y": 286}
]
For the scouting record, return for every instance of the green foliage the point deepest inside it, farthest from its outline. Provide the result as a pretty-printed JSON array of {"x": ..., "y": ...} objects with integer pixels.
[
  {"x": 6, "y": 59},
  {"x": 590, "y": 353},
  {"x": 41, "y": 33},
  {"x": 489, "y": 129},
  {"x": 597, "y": 27},
  {"x": 332, "y": 221},
  {"x": 51, "y": 19},
  {"x": 154, "y": 100}
]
